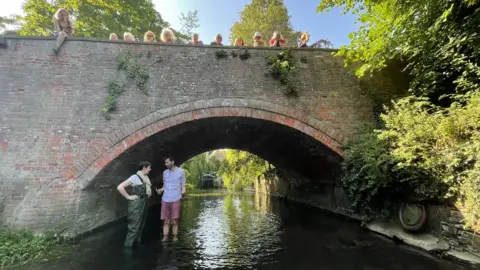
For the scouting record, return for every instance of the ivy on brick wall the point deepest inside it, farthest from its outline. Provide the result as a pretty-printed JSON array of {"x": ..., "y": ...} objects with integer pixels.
[
  {"x": 135, "y": 68},
  {"x": 243, "y": 55},
  {"x": 282, "y": 67}
]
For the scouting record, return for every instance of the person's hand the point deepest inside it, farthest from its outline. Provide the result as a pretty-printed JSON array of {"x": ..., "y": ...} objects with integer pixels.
[
  {"x": 133, "y": 198},
  {"x": 159, "y": 190}
]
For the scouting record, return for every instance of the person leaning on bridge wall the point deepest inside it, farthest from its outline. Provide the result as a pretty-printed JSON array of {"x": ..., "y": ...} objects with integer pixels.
[
  {"x": 137, "y": 202},
  {"x": 128, "y": 36},
  {"x": 149, "y": 37},
  {"x": 239, "y": 42},
  {"x": 113, "y": 36},
  {"x": 277, "y": 40},
  {"x": 258, "y": 40},
  {"x": 303, "y": 40},
  {"x": 217, "y": 40},
  {"x": 194, "y": 40},
  {"x": 63, "y": 27},
  {"x": 167, "y": 36}
]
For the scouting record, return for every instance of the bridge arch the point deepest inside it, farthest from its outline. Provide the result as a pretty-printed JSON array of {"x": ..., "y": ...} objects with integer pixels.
[{"x": 238, "y": 111}]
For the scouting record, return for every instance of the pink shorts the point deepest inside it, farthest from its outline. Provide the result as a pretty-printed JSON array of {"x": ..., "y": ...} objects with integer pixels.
[{"x": 170, "y": 210}]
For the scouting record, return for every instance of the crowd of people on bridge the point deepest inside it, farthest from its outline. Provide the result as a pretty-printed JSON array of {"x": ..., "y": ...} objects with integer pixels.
[{"x": 64, "y": 28}]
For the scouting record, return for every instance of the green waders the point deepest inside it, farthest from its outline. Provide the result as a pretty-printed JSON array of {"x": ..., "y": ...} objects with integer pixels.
[{"x": 136, "y": 215}]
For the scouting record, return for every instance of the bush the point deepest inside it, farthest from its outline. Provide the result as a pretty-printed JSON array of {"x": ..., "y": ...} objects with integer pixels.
[{"x": 423, "y": 153}]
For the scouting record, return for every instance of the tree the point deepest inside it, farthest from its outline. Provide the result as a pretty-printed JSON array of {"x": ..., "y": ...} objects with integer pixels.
[
  {"x": 6, "y": 21},
  {"x": 240, "y": 169},
  {"x": 439, "y": 39},
  {"x": 189, "y": 22},
  {"x": 196, "y": 166},
  {"x": 428, "y": 145},
  {"x": 94, "y": 19},
  {"x": 265, "y": 16}
]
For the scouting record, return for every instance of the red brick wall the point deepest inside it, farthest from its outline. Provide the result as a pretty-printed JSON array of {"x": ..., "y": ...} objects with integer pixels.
[{"x": 54, "y": 140}]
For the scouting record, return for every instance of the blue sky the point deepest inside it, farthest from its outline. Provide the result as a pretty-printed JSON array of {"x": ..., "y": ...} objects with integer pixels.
[{"x": 217, "y": 16}]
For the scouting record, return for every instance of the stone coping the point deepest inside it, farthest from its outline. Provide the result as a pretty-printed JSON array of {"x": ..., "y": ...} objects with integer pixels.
[{"x": 164, "y": 44}]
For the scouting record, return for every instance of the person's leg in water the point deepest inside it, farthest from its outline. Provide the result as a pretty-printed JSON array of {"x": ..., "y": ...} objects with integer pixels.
[
  {"x": 175, "y": 229},
  {"x": 175, "y": 210},
  {"x": 165, "y": 215},
  {"x": 60, "y": 39},
  {"x": 166, "y": 229}
]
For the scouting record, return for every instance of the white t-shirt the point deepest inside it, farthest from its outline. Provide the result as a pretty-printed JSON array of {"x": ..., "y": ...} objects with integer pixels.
[{"x": 135, "y": 180}]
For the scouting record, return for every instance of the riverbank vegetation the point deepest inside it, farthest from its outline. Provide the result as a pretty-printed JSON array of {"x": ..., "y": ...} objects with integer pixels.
[
  {"x": 236, "y": 169},
  {"x": 240, "y": 169},
  {"x": 23, "y": 247},
  {"x": 427, "y": 144},
  {"x": 196, "y": 166}
]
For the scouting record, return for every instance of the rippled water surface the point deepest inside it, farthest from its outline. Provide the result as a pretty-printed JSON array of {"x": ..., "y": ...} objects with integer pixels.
[{"x": 247, "y": 232}]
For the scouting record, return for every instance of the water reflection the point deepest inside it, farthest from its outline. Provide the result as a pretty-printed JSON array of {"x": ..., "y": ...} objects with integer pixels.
[{"x": 247, "y": 232}]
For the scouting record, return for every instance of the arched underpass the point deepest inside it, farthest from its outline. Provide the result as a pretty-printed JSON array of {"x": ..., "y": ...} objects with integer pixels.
[
  {"x": 284, "y": 147},
  {"x": 311, "y": 164}
]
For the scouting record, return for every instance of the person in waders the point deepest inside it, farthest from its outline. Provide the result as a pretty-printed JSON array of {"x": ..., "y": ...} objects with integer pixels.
[{"x": 137, "y": 202}]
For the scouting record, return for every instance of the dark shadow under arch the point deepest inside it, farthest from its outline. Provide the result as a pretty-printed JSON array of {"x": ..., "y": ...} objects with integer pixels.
[{"x": 285, "y": 147}]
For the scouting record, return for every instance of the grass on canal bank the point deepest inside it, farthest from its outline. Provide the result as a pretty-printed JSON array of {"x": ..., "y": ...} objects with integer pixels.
[{"x": 23, "y": 247}]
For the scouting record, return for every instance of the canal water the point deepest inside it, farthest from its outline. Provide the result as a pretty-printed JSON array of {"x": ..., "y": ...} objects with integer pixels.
[{"x": 248, "y": 232}]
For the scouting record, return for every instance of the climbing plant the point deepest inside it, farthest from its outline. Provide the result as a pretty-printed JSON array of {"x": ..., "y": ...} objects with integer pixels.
[
  {"x": 114, "y": 89},
  {"x": 282, "y": 67},
  {"x": 221, "y": 54},
  {"x": 135, "y": 69},
  {"x": 244, "y": 55}
]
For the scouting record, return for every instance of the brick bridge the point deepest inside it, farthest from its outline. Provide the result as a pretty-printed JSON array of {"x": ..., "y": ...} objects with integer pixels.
[{"x": 60, "y": 159}]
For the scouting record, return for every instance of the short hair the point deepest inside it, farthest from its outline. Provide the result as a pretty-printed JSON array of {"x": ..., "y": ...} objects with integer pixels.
[
  {"x": 143, "y": 164},
  {"x": 217, "y": 36},
  {"x": 169, "y": 158},
  {"x": 112, "y": 34}
]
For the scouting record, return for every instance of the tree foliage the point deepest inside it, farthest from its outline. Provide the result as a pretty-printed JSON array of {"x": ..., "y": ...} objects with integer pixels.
[
  {"x": 439, "y": 40},
  {"x": 265, "y": 16},
  {"x": 429, "y": 142},
  {"x": 5, "y": 21},
  {"x": 240, "y": 169},
  {"x": 196, "y": 166},
  {"x": 93, "y": 19}
]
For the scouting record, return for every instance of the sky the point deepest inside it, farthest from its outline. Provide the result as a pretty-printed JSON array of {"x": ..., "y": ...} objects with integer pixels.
[{"x": 217, "y": 16}]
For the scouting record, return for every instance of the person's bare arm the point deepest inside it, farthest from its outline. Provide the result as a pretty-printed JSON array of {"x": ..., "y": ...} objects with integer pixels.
[
  {"x": 184, "y": 183},
  {"x": 160, "y": 190},
  {"x": 121, "y": 189}
]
